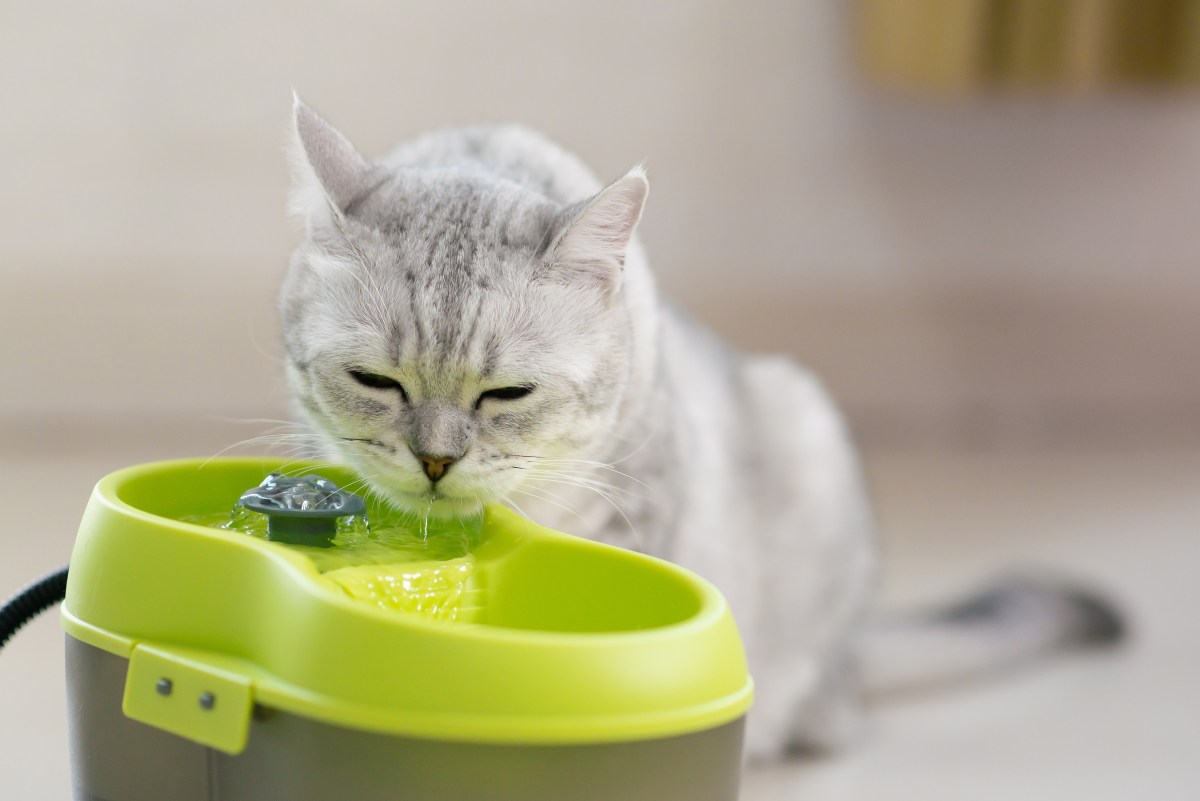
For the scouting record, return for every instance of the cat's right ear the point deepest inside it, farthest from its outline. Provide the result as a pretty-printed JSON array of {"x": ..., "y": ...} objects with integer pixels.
[
  {"x": 595, "y": 234},
  {"x": 328, "y": 172}
]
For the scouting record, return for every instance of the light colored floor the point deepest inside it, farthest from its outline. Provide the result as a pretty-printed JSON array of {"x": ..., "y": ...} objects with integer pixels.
[{"x": 1116, "y": 726}]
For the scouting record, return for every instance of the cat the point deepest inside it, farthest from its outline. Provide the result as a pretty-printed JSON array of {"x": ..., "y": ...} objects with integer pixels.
[{"x": 471, "y": 319}]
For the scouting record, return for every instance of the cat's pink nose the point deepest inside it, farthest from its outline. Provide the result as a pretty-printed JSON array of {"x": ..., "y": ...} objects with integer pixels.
[{"x": 435, "y": 466}]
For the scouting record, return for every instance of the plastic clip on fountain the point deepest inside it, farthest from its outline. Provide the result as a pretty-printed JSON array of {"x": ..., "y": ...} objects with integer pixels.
[{"x": 315, "y": 646}]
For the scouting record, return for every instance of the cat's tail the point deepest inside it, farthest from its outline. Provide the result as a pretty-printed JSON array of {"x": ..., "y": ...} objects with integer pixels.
[{"x": 1010, "y": 623}]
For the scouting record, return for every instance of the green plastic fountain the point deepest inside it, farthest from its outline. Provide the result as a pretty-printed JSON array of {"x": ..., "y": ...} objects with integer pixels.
[{"x": 310, "y": 659}]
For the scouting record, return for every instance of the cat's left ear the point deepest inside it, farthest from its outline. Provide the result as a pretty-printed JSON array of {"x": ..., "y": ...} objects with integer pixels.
[
  {"x": 595, "y": 236},
  {"x": 328, "y": 172}
]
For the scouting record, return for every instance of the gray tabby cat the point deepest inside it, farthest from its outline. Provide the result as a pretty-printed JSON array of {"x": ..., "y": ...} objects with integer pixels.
[{"x": 471, "y": 320}]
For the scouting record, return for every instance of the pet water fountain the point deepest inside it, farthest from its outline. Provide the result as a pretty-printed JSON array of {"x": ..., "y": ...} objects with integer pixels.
[{"x": 313, "y": 646}]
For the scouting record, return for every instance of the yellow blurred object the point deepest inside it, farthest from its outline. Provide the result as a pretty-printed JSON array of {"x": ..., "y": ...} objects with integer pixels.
[
  {"x": 924, "y": 44},
  {"x": 966, "y": 46}
]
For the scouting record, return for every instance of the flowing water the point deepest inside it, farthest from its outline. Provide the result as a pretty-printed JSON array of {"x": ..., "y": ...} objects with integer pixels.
[{"x": 393, "y": 561}]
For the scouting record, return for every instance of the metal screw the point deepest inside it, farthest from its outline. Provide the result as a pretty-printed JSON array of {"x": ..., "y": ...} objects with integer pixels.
[
  {"x": 163, "y": 686},
  {"x": 207, "y": 700}
]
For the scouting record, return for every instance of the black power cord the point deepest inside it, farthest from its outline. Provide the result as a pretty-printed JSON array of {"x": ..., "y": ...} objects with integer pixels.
[{"x": 31, "y": 602}]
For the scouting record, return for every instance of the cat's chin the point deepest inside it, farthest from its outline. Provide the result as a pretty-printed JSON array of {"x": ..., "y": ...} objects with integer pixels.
[{"x": 429, "y": 505}]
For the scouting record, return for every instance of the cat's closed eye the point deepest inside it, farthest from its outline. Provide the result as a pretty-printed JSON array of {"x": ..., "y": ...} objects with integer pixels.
[
  {"x": 376, "y": 381},
  {"x": 503, "y": 393}
]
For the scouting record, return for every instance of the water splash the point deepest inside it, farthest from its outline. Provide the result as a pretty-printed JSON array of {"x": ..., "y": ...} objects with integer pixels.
[
  {"x": 391, "y": 560},
  {"x": 425, "y": 522},
  {"x": 435, "y": 590}
]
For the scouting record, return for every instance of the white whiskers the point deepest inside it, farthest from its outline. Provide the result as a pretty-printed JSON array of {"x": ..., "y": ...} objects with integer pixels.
[{"x": 540, "y": 480}]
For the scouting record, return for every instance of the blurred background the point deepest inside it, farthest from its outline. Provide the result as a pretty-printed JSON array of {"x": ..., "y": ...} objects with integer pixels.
[{"x": 974, "y": 218}]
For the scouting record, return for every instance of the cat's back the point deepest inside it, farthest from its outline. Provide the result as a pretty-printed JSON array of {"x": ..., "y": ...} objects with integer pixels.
[{"x": 501, "y": 153}]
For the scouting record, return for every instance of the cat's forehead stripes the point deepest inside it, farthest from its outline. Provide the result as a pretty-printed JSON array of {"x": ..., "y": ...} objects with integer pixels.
[
  {"x": 444, "y": 222},
  {"x": 415, "y": 317},
  {"x": 453, "y": 333},
  {"x": 467, "y": 326},
  {"x": 452, "y": 244},
  {"x": 449, "y": 342},
  {"x": 395, "y": 341}
]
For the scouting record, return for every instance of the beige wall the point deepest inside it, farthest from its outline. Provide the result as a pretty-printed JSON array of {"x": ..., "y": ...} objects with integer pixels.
[{"x": 981, "y": 271}]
